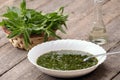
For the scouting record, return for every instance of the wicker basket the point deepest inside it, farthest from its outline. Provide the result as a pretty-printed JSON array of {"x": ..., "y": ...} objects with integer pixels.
[{"x": 19, "y": 41}]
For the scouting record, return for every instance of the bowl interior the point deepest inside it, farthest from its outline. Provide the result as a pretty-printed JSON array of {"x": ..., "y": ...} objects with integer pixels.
[{"x": 68, "y": 44}]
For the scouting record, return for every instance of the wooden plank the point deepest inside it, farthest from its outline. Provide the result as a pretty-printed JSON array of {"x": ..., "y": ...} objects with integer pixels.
[
  {"x": 1, "y": 33},
  {"x": 80, "y": 9},
  {"x": 18, "y": 58},
  {"x": 20, "y": 78},
  {"x": 110, "y": 67},
  {"x": 76, "y": 9},
  {"x": 6, "y": 2},
  {"x": 2, "y": 1},
  {"x": 15, "y": 3},
  {"x": 111, "y": 26},
  {"x": 77, "y": 12},
  {"x": 85, "y": 25},
  {"x": 23, "y": 71},
  {"x": 47, "y": 77},
  {"x": 117, "y": 77},
  {"x": 105, "y": 71},
  {"x": 9, "y": 57},
  {"x": 11, "y": 53},
  {"x": 54, "y": 5},
  {"x": 33, "y": 4},
  {"x": 29, "y": 3},
  {"x": 116, "y": 62},
  {"x": 3, "y": 39}
]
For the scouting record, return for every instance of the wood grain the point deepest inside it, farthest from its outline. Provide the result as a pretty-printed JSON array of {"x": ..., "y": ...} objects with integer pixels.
[
  {"x": 24, "y": 71},
  {"x": 117, "y": 77},
  {"x": 54, "y": 5},
  {"x": 9, "y": 57},
  {"x": 116, "y": 62},
  {"x": 110, "y": 67},
  {"x": 85, "y": 25},
  {"x": 15, "y": 66},
  {"x": 9, "y": 62}
]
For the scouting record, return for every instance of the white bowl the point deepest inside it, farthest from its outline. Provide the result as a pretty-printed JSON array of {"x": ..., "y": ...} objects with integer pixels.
[{"x": 67, "y": 44}]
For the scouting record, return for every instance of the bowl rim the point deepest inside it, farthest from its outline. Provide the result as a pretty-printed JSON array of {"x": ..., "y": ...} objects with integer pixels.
[{"x": 66, "y": 70}]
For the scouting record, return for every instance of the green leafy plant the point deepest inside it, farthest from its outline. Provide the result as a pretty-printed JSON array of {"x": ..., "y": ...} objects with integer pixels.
[{"x": 26, "y": 22}]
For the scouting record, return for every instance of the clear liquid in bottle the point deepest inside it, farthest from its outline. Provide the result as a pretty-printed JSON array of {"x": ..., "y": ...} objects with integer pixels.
[{"x": 98, "y": 34}]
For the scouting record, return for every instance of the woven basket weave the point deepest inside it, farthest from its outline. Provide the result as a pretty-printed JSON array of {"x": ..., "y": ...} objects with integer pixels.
[{"x": 19, "y": 41}]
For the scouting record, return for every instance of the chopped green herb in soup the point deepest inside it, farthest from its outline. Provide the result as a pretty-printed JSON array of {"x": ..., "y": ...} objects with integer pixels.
[{"x": 66, "y": 60}]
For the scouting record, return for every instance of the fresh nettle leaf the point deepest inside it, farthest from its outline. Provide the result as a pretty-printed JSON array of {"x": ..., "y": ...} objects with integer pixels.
[
  {"x": 10, "y": 15},
  {"x": 15, "y": 10},
  {"x": 26, "y": 36},
  {"x": 23, "y": 5},
  {"x": 26, "y": 22},
  {"x": 61, "y": 10},
  {"x": 14, "y": 33}
]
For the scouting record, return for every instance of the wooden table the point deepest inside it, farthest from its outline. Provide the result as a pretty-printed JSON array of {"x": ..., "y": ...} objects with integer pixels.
[{"x": 14, "y": 64}]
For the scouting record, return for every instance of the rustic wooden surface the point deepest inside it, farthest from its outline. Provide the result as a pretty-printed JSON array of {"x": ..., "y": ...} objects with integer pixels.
[{"x": 14, "y": 64}]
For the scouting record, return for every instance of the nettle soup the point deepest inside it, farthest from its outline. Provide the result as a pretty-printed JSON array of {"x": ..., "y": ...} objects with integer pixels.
[{"x": 66, "y": 60}]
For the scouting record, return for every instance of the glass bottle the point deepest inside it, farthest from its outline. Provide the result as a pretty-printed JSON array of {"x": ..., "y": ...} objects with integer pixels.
[{"x": 98, "y": 33}]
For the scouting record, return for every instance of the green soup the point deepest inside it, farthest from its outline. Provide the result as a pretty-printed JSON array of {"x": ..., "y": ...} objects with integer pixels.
[{"x": 66, "y": 60}]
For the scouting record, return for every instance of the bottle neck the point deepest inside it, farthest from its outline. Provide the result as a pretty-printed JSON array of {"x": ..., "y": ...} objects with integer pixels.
[{"x": 98, "y": 21}]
